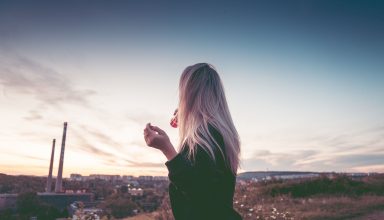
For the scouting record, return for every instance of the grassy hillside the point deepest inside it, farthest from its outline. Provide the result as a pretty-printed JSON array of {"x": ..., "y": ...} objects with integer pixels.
[{"x": 319, "y": 198}]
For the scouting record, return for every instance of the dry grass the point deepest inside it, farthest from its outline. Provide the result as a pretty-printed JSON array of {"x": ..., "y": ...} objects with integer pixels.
[
  {"x": 145, "y": 216},
  {"x": 287, "y": 208},
  {"x": 284, "y": 208},
  {"x": 319, "y": 198},
  {"x": 351, "y": 200},
  {"x": 308, "y": 208}
]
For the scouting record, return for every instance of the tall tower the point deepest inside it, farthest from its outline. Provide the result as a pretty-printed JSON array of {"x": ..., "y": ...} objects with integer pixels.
[
  {"x": 59, "y": 178},
  {"x": 49, "y": 180}
]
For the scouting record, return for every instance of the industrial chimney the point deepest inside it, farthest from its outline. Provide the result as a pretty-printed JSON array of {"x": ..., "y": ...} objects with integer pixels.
[
  {"x": 59, "y": 179},
  {"x": 49, "y": 180}
]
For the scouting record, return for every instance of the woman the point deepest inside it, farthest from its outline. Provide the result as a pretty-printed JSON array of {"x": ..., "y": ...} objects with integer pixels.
[{"x": 203, "y": 174}]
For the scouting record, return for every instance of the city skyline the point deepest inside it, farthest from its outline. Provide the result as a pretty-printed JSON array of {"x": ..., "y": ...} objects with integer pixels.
[{"x": 303, "y": 82}]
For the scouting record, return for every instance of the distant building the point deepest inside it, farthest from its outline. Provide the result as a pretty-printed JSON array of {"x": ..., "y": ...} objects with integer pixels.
[
  {"x": 105, "y": 177},
  {"x": 269, "y": 175},
  {"x": 76, "y": 177},
  {"x": 113, "y": 178},
  {"x": 297, "y": 176},
  {"x": 84, "y": 208},
  {"x": 357, "y": 174},
  {"x": 133, "y": 183},
  {"x": 135, "y": 191},
  {"x": 146, "y": 178},
  {"x": 160, "y": 178},
  {"x": 79, "y": 191},
  {"x": 8, "y": 201},
  {"x": 127, "y": 178}
]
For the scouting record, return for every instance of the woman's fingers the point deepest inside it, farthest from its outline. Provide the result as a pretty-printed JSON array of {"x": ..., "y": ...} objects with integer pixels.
[
  {"x": 148, "y": 138},
  {"x": 148, "y": 127},
  {"x": 156, "y": 137},
  {"x": 149, "y": 134},
  {"x": 153, "y": 129},
  {"x": 158, "y": 130}
]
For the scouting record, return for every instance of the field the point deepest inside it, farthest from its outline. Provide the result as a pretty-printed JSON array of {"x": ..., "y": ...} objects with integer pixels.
[{"x": 340, "y": 197}]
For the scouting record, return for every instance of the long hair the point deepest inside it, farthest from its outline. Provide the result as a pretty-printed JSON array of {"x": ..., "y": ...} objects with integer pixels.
[{"x": 202, "y": 104}]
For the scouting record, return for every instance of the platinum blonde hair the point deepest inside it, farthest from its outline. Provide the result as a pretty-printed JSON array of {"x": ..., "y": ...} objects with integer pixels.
[{"x": 202, "y": 103}]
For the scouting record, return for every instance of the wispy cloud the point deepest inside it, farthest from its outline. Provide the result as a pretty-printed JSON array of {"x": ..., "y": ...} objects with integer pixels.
[
  {"x": 349, "y": 160},
  {"x": 101, "y": 137},
  {"x": 111, "y": 155},
  {"x": 144, "y": 164},
  {"x": 142, "y": 118},
  {"x": 135, "y": 164},
  {"x": 265, "y": 159},
  {"x": 33, "y": 115},
  {"x": 84, "y": 145},
  {"x": 20, "y": 74},
  {"x": 357, "y": 139},
  {"x": 33, "y": 157},
  {"x": 51, "y": 89},
  {"x": 96, "y": 135},
  {"x": 335, "y": 152}
]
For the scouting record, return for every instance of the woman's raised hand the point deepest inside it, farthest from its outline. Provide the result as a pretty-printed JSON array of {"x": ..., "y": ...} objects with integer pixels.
[{"x": 157, "y": 138}]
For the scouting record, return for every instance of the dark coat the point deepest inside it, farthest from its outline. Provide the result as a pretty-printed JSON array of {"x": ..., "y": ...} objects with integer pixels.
[{"x": 201, "y": 189}]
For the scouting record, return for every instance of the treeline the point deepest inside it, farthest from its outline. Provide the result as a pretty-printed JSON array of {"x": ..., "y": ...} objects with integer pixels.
[
  {"x": 341, "y": 185},
  {"x": 29, "y": 205},
  {"x": 21, "y": 184},
  {"x": 121, "y": 204}
]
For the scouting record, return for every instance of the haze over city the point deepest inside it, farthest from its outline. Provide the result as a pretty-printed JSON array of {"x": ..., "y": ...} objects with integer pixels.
[{"x": 304, "y": 82}]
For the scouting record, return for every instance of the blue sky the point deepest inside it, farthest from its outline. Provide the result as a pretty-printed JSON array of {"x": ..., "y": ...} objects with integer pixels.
[{"x": 303, "y": 80}]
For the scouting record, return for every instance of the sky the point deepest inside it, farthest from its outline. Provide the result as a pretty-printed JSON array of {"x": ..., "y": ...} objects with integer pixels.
[{"x": 304, "y": 81}]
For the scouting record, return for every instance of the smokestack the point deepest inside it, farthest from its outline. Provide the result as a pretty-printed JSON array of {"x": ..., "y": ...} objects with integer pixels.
[
  {"x": 49, "y": 180},
  {"x": 59, "y": 180}
]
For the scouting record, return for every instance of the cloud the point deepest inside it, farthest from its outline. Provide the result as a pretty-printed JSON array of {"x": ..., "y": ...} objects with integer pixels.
[
  {"x": 131, "y": 163},
  {"x": 33, "y": 115},
  {"x": 33, "y": 157},
  {"x": 145, "y": 164},
  {"x": 345, "y": 151},
  {"x": 370, "y": 168},
  {"x": 101, "y": 137},
  {"x": 92, "y": 133},
  {"x": 265, "y": 159},
  {"x": 144, "y": 117},
  {"x": 20, "y": 75},
  {"x": 311, "y": 161},
  {"x": 24, "y": 76},
  {"x": 114, "y": 156},
  {"x": 84, "y": 145},
  {"x": 362, "y": 139},
  {"x": 367, "y": 159},
  {"x": 346, "y": 162},
  {"x": 348, "y": 151}
]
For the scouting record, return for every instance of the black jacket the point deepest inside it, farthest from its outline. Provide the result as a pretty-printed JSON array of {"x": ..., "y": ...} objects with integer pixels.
[{"x": 202, "y": 189}]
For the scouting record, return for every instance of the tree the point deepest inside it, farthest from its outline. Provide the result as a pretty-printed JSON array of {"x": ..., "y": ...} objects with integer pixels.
[
  {"x": 120, "y": 207},
  {"x": 124, "y": 189},
  {"x": 29, "y": 204}
]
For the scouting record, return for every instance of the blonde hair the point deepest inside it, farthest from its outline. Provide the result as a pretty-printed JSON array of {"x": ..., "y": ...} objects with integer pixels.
[{"x": 203, "y": 104}]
